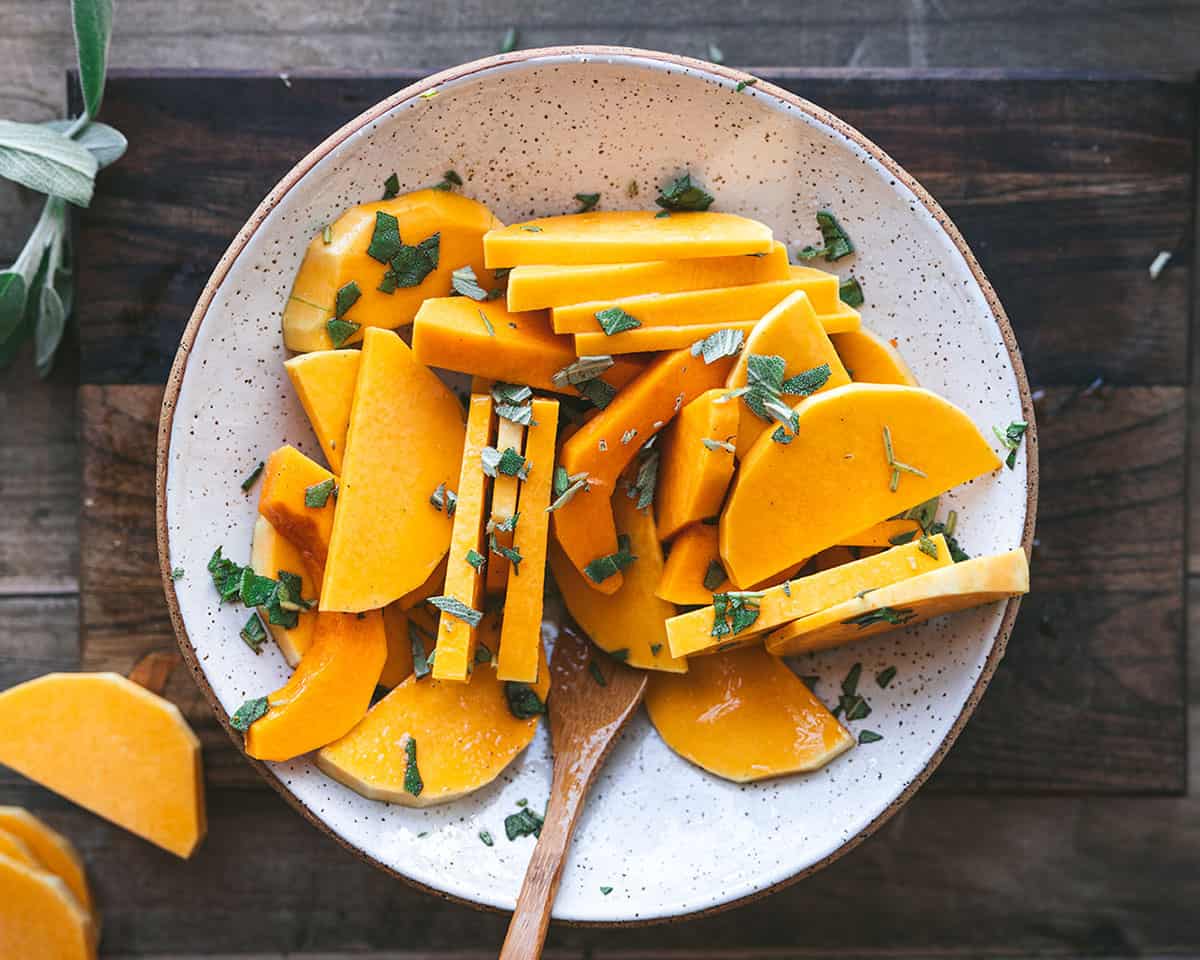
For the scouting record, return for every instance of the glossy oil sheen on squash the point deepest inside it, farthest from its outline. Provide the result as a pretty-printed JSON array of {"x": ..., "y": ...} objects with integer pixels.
[
  {"x": 691, "y": 633},
  {"x": 793, "y": 500},
  {"x": 460, "y": 224},
  {"x": 504, "y": 505},
  {"x": 792, "y": 330},
  {"x": 112, "y": 747},
  {"x": 465, "y": 736},
  {"x": 287, "y": 474},
  {"x": 405, "y": 438},
  {"x": 450, "y": 333},
  {"x": 521, "y": 631},
  {"x": 632, "y": 619},
  {"x": 627, "y": 236},
  {"x": 54, "y": 852},
  {"x": 270, "y": 553},
  {"x": 539, "y": 287},
  {"x": 464, "y": 581},
  {"x": 584, "y": 526},
  {"x": 40, "y": 919},
  {"x": 692, "y": 475},
  {"x": 871, "y": 359},
  {"x": 324, "y": 382},
  {"x": 971, "y": 583},
  {"x": 744, "y": 716},
  {"x": 329, "y": 692}
]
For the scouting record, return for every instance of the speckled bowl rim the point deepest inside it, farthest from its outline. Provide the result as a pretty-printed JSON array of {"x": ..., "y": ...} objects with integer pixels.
[{"x": 583, "y": 53}]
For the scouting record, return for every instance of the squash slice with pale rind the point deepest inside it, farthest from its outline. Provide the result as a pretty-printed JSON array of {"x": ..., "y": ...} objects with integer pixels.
[
  {"x": 53, "y": 851},
  {"x": 40, "y": 919}
]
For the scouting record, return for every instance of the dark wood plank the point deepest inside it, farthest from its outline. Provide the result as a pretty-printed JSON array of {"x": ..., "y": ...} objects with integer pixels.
[{"x": 1066, "y": 187}]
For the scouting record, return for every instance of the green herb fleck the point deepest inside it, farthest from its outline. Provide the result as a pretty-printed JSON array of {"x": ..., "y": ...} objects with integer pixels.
[
  {"x": 928, "y": 547},
  {"x": 319, "y": 493},
  {"x": 487, "y": 323},
  {"x": 412, "y": 775},
  {"x": 507, "y": 524},
  {"x": 902, "y": 538},
  {"x": 597, "y": 675},
  {"x": 511, "y": 554},
  {"x": 256, "y": 591},
  {"x": 743, "y": 84},
  {"x": 715, "y": 445},
  {"x": 450, "y": 180},
  {"x": 477, "y": 560},
  {"x": 850, "y": 292},
  {"x": 178, "y": 573},
  {"x": 391, "y": 187},
  {"x": 226, "y": 576},
  {"x": 654, "y": 648},
  {"x": 456, "y": 608},
  {"x": 510, "y": 463},
  {"x": 508, "y": 45},
  {"x": 869, "y": 736},
  {"x": 417, "y": 642},
  {"x": 662, "y": 214},
  {"x": 896, "y": 465},
  {"x": 734, "y": 612},
  {"x": 581, "y": 370},
  {"x": 602, "y": 568},
  {"x": 885, "y": 676},
  {"x": 442, "y": 498},
  {"x": 1011, "y": 438},
  {"x": 721, "y": 343},
  {"x": 836, "y": 242},
  {"x": 565, "y": 487},
  {"x": 253, "y": 478},
  {"x": 614, "y": 320},
  {"x": 523, "y": 701},
  {"x": 346, "y": 297},
  {"x": 531, "y": 228},
  {"x": 597, "y": 392},
  {"x": 482, "y": 653},
  {"x": 856, "y": 708},
  {"x": 523, "y": 823},
  {"x": 340, "y": 331},
  {"x": 882, "y": 615},
  {"x": 248, "y": 713},
  {"x": 511, "y": 402},
  {"x": 850, "y": 683},
  {"x": 606, "y": 890},
  {"x": 385, "y": 240},
  {"x": 410, "y": 265},
  {"x": 327, "y": 235},
  {"x": 645, "y": 481},
  {"x": 621, "y": 654},
  {"x": 957, "y": 554},
  {"x": 464, "y": 282},
  {"x": 714, "y": 576},
  {"x": 486, "y": 838},
  {"x": 587, "y": 201},
  {"x": 254, "y": 633},
  {"x": 681, "y": 194}
]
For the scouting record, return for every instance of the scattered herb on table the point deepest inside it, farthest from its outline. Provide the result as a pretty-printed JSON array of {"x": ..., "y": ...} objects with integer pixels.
[
  {"x": 836, "y": 242},
  {"x": 885, "y": 676},
  {"x": 450, "y": 180},
  {"x": 391, "y": 187},
  {"x": 253, "y": 477},
  {"x": 606, "y": 890},
  {"x": 683, "y": 195},
  {"x": 178, "y": 573},
  {"x": 743, "y": 84},
  {"x": 869, "y": 736},
  {"x": 254, "y": 633},
  {"x": 486, "y": 837}
]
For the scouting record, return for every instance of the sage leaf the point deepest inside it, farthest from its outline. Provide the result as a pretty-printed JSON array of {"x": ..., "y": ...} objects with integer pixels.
[
  {"x": 47, "y": 161},
  {"x": 48, "y": 330},
  {"x": 93, "y": 28},
  {"x": 107, "y": 144}
]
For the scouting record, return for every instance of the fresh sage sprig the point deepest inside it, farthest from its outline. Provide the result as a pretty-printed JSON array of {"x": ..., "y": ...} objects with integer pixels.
[{"x": 60, "y": 159}]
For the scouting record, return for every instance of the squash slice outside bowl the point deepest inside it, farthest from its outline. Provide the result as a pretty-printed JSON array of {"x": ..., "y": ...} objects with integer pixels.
[{"x": 527, "y": 131}]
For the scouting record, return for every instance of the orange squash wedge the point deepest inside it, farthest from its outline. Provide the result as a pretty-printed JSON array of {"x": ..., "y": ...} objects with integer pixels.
[
  {"x": 430, "y": 588},
  {"x": 539, "y": 287},
  {"x": 694, "y": 553},
  {"x": 627, "y": 236},
  {"x": 868, "y": 358},
  {"x": 521, "y": 632},
  {"x": 270, "y": 553},
  {"x": 693, "y": 475},
  {"x": 53, "y": 852},
  {"x": 630, "y": 622},
  {"x": 40, "y": 919},
  {"x": 605, "y": 445},
  {"x": 457, "y": 221},
  {"x": 835, "y": 478},
  {"x": 504, "y": 505},
  {"x": 405, "y": 438},
  {"x": 464, "y": 580},
  {"x": 329, "y": 692},
  {"x": 822, "y": 289},
  {"x": 287, "y": 475},
  {"x": 451, "y": 333},
  {"x": 464, "y": 735},
  {"x": 959, "y": 586},
  {"x": 885, "y": 533},
  {"x": 792, "y": 330},
  {"x": 324, "y": 382},
  {"x": 650, "y": 339},
  {"x": 691, "y": 633},
  {"x": 15, "y": 848},
  {"x": 744, "y": 716},
  {"x": 112, "y": 747}
]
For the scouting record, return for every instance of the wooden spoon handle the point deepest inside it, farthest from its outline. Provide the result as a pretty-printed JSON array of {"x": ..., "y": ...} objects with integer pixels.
[{"x": 531, "y": 917}]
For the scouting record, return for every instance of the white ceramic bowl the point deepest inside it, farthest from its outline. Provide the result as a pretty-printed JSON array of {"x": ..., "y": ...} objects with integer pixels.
[{"x": 527, "y": 131}]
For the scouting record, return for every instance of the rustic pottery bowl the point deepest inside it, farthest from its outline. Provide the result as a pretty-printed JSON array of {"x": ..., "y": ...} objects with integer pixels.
[{"x": 527, "y": 131}]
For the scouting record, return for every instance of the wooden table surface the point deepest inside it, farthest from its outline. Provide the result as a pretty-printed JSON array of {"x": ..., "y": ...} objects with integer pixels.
[{"x": 989, "y": 873}]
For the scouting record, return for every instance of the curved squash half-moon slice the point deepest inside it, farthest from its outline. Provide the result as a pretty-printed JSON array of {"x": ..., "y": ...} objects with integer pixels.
[
  {"x": 744, "y": 716},
  {"x": 836, "y": 478},
  {"x": 54, "y": 852},
  {"x": 869, "y": 358},
  {"x": 15, "y": 848},
  {"x": 40, "y": 917},
  {"x": 971, "y": 583},
  {"x": 463, "y": 735},
  {"x": 324, "y": 382},
  {"x": 111, "y": 746}
]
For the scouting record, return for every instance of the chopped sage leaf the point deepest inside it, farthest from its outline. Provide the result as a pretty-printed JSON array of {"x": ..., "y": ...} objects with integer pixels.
[
  {"x": 714, "y": 445},
  {"x": 178, "y": 573},
  {"x": 226, "y": 576},
  {"x": 483, "y": 834},
  {"x": 646, "y": 479},
  {"x": 582, "y": 370},
  {"x": 456, "y": 608},
  {"x": 531, "y": 228},
  {"x": 923, "y": 513},
  {"x": 507, "y": 524},
  {"x": 928, "y": 547},
  {"x": 850, "y": 683},
  {"x": 882, "y": 615},
  {"x": 410, "y": 265},
  {"x": 249, "y": 712},
  {"x": 850, "y": 292},
  {"x": 487, "y": 323},
  {"x": 559, "y": 481},
  {"x": 957, "y": 554},
  {"x": 902, "y": 538},
  {"x": 319, "y": 493},
  {"x": 621, "y": 653},
  {"x": 714, "y": 576},
  {"x": 856, "y": 707},
  {"x": 464, "y": 282},
  {"x": 606, "y": 890},
  {"x": 836, "y": 242},
  {"x": 523, "y": 823},
  {"x": 510, "y": 463},
  {"x": 521, "y": 413},
  {"x": 743, "y": 84},
  {"x": 340, "y": 331},
  {"x": 523, "y": 701},
  {"x": 681, "y": 194},
  {"x": 346, "y": 297},
  {"x": 482, "y": 653},
  {"x": 722, "y": 343},
  {"x": 602, "y": 568},
  {"x": 503, "y": 392},
  {"x": 654, "y": 648},
  {"x": 571, "y": 485},
  {"x": 807, "y": 383},
  {"x": 256, "y": 591},
  {"x": 419, "y": 659},
  {"x": 511, "y": 554},
  {"x": 597, "y": 675},
  {"x": 869, "y": 736},
  {"x": 254, "y": 633},
  {"x": 587, "y": 201},
  {"x": 885, "y": 676},
  {"x": 1011, "y": 438},
  {"x": 385, "y": 240},
  {"x": 412, "y": 775},
  {"x": 391, "y": 187},
  {"x": 614, "y": 320},
  {"x": 450, "y": 180},
  {"x": 442, "y": 498},
  {"x": 327, "y": 235},
  {"x": 253, "y": 478},
  {"x": 597, "y": 392},
  {"x": 734, "y": 612},
  {"x": 662, "y": 214},
  {"x": 477, "y": 560}
]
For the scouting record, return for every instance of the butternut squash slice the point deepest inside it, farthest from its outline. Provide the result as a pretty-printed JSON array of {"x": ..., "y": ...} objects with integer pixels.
[
  {"x": 971, "y": 583},
  {"x": 270, "y": 553},
  {"x": 835, "y": 478},
  {"x": 15, "y": 848},
  {"x": 868, "y": 358},
  {"x": 630, "y": 622},
  {"x": 792, "y": 330},
  {"x": 329, "y": 692},
  {"x": 744, "y": 716},
  {"x": 541, "y": 286},
  {"x": 693, "y": 554},
  {"x": 287, "y": 475},
  {"x": 465, "y": 734},
  {"x": 112, "y": 747},
  {"x": 693, "y": 475},
  {"x": 692, "y": 633},
  {"x": 430, "y": 588},
  {"x": 465, "y": 580},
  {"x": 626, "y": 236},
  {"x": 324, "y": 382},
  {"x": 40, "y": 919},
  {"x": 727, "y": 305},
  {"x": 504, "y": 505},
  {"x": 53, "y": 851},
  {"x": 396, "y": 627},
  {"x": 457, "y": 221},
  {"x": 650, "y": 339},
  {"x": 832, "y": 557},
  {"x": 521, "y": 632},
  {"x": 605, "y": 445},
  {"x": 450, "y": 333},
  {"x": 405, "y": 438},
  {"x": 821, "y": 287},
  {"x": 885, "y": 533}
]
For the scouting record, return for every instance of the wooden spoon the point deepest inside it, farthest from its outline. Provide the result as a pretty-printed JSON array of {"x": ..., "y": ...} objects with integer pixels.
[{"x": 585, "y": 718}]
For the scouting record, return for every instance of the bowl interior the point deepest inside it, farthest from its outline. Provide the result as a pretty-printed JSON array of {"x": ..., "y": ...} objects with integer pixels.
[{"x": 526, "y": 135}]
